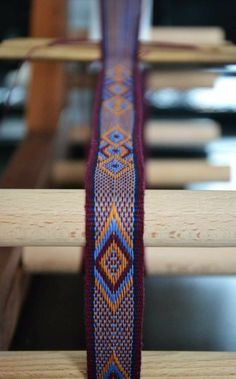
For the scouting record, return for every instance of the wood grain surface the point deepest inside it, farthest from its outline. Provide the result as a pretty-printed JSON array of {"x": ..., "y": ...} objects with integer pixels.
[
  {"x": 72, "y": 364},
  {"x": 172, "y": 218}
]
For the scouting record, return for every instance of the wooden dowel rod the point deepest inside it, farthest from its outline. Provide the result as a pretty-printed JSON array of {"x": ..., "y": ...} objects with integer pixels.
[
  {"x": 190, "y": 261},
  {"x": 210, "y": 36},
  {"x": 161, "y": 364},
  {"x": 159, "y": 172},
  {"x": 155, "y": 80},
  {"x": 149, "y": 53},
  {"x": 181, "y": 132},
  {"x": 29, "y": 42},
  {"x": 207, "y": 35},
  {"x": 181, "y": 172},
  {"x": 165, "y": 133},
  {"x": 189, "y": 35},
  {"x": 181, "y": 80},
  {"x": 172, "y": 218},
  {"x": 52, "y": 259},
  {"x": 158, "y": 260}
]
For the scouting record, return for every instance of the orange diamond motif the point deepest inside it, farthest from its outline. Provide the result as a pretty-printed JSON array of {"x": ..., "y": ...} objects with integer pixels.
[
  {"x": 117, "y": 88},
  {"x": 115, "y": 166},
  {"x": 118, "y": 105},
  {"x": 116, "y": 136}
]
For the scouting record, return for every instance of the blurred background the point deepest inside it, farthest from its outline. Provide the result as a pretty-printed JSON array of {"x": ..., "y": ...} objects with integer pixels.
[{"x": 190, "y": 136}]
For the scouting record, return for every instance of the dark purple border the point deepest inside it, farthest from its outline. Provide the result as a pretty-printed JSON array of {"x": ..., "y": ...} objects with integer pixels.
[
  {"x": 90, "y": 227},
  {"x": 139, "y": 224},
  {"x": 90, "y": 222}
]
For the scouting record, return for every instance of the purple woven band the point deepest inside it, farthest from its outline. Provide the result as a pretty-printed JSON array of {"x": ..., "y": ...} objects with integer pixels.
[{"x": 114, "y": 203}]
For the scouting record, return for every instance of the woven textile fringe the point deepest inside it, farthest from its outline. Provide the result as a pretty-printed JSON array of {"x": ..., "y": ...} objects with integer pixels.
[{"x": 114, "y": 203}]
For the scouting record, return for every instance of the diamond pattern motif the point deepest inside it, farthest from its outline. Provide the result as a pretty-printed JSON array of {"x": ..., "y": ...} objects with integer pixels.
[
  {"x": 113, "y": 301},
  {"x": 115, "y": 166},
  {"x": 114, "y": 263},
  {"x": 115, "y": 137},
  {"x": 117, "y": 104}
]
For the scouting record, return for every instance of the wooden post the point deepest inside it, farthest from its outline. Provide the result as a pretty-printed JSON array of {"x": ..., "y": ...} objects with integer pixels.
[{"x": 47, "y": 85}]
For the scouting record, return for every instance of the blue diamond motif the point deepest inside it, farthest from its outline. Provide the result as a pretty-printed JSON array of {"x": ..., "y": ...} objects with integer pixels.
[
  {"x": 116, "y": 136},
  {"x": 115, "y": 166},
  {"x": 115, "y": 150},
  {"x": 110, "y": 104},
  {"x": 117, "y": 88}
]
